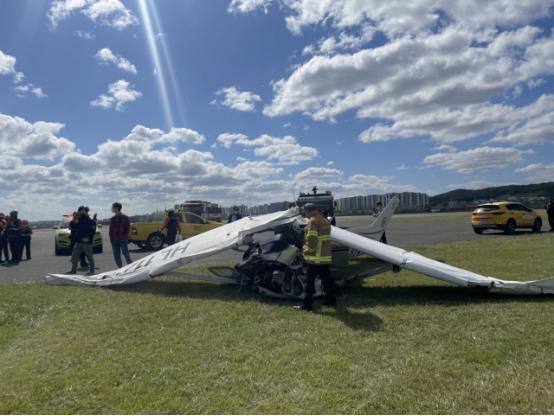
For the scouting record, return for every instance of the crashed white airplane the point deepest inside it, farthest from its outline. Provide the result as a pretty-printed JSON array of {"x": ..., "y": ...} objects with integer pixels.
[{"x": 282, "y": 266}]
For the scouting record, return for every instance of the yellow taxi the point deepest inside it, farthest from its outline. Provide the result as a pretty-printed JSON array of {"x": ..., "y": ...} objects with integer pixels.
[
  {"x": 148, "y": 234},
  {"x": 506, "y": 216}
]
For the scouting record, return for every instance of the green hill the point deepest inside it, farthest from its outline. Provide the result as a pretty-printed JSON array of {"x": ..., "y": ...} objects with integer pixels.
[{"x": 535, "y": 190}]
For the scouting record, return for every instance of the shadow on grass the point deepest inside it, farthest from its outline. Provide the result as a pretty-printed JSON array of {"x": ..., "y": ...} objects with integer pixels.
[
  {"x": 350, "y": 298},
  {"x": 431, "y": 295},
  {"x": 365, "y": 321}
]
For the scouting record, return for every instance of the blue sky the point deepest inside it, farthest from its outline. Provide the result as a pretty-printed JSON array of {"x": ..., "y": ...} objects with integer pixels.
[{"x": 267, "y": 97}]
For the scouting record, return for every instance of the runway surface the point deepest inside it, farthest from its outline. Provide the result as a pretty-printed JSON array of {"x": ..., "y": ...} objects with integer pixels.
[{"x": 405, "y": 231}]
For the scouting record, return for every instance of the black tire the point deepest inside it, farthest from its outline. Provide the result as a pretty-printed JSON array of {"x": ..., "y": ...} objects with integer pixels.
[
  {"x": 510, "y": 226},
  {"x": 537, "y": 225},
  {"x": 99, "y": 249},
  {"x": 478, "y": 230},
  {"x": 156, "y": 241},
  {"x": 57, "y": 251}
]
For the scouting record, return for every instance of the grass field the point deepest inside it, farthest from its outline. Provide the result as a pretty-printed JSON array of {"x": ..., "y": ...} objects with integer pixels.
[{"x": 400, "y": 343}]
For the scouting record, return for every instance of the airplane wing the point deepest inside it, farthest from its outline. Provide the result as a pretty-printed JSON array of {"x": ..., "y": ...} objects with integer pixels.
[
  {"x": 412, "y": 261},
  {"x": 177, "y": 255},
  {"x": 230, "y": 235}
]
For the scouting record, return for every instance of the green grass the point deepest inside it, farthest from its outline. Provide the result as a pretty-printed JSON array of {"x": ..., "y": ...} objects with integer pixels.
[{"x": 400, "y": 343}]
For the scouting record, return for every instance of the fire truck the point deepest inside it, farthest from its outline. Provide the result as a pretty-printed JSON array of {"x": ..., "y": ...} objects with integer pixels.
[
  {"x": 324, "y": 201},
  {"x": 207, "y": 210}
]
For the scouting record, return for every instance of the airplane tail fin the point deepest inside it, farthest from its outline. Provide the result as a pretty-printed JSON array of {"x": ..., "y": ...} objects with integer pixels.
[{"x": 376, "y": 229}]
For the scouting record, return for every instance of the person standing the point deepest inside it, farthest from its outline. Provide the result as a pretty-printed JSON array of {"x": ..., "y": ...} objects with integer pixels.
[
  {"x": 318, "y": 257},
  {"x": 376, "y": 212},
  {"x": 172, "y": 225},
  {"x": 550, "y": 213},
  {"x": 235, "y": 215},
  {"x": 4, "y": 238},
  {"x": 73, "y": 236},
  {"x": 119, "y": 235},
  {"x": 84, "y": 237},
  {"x": 26, "y": 232},
  {"x": 13, "y": 231}
]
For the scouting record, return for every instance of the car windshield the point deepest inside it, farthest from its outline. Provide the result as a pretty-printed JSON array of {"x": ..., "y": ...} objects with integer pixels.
[{"x": 487, "y": 208}]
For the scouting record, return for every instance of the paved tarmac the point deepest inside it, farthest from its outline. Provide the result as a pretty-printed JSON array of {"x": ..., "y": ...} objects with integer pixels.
[{"x": 405, "y": 231}]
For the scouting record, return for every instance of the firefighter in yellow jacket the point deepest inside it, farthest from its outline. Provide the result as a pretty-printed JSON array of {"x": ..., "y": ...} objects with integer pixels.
[{"x": 317, "y": 256}]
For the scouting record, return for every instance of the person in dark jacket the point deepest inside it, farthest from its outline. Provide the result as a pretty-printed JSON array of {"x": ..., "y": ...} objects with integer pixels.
[
  {"x": 376, "y": 212},
  {"x": 4, "y": 238},
  {"x": 84, "y": 237},
  {"x": 235, "y": 215},
  {"x": 172, "y": 225},
  {"x": 13, "y": 233},
  {"x": 119, "y": 235},
  {"x": 26, "y": 232},
  {"x": 73, "y": 237},
  {"x": 550, "y": 212}
]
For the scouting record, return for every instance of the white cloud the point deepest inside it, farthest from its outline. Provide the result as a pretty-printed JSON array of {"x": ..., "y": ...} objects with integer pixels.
[
  {"x": 440, "y": 73},
  {"x": 441, "y": 85},
  {"x": 519, "y": 126},
  {"x": 254, "y": 169},
  {"x": 285, "y": 150},
  {"x": 83, "y": 34},
  {"x": 317, "y": 172},
  {"x": 106, "y": 56},
  {"x": 236, "y": 100},
  {"x": 112, "y": 13},
  {"x": 342, "y": 42},
  {"x": 476, "y": 159},
  {"x": 398, "y": 17},
  {"x": 538, "y": 172},
  {"x": 245, "y": 6},
  {"x": 22, "y": 90},
  {"x": 7, "y": 64},
  {"x": 475, "y": 184},
  {"x": 119, "y": 94},
  {"x": 7, "y": 67},
  {"x": 156, "y": 173},
  {"x": 408, "y": 75},
  {"x": 18, "y": 77},
  {"x": 40, "y": 140},
  {"x": 141, "y": 133}
]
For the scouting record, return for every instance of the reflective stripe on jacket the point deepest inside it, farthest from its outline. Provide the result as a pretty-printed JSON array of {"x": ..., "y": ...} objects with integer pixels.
[{"x": 317, "y": 241}]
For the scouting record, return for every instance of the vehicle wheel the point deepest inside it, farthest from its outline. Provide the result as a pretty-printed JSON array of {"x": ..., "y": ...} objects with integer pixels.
[
  {"x": 100, "y": 249},
  {"x": 537, "y": 225},
  {"x": 156, "y": 241},
  {"x": 510, "y": 226},
  {"x": 57, "y": 251},
  {"x": 478, "y": 230}
]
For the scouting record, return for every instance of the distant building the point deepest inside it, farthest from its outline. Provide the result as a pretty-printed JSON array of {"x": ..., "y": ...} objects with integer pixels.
[
  {"x": 360, "y": 204},
  {"x": 364, "y": 204},
  {"x": 257, "y": 209}
]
